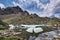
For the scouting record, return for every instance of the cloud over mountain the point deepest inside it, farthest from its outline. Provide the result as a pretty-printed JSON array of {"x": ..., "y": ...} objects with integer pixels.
[
  {"x": 41, "y": 7},
  {"x": 2, "y": 5},
  {"x": 44, "y": 8}
]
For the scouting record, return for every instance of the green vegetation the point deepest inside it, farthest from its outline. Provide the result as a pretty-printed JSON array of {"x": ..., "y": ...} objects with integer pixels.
[
  {"x": 8, "y": 21},
  {"x": 31, "y": 20},
  {"x": 3, "y": 27},
  {"x": 9, "y": 38},
  {"x": 48, "y": 29}
]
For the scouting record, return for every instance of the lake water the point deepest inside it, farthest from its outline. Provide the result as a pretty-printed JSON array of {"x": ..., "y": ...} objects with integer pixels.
[{"x": 50, "y": 35}]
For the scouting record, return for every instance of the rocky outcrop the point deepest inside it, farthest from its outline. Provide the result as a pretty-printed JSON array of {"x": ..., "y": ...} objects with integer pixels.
[{"x": 10, "y": 10}]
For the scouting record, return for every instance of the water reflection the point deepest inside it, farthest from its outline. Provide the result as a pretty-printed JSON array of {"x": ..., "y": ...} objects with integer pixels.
[
  {"x": 32, "y": 38},
  {"x": 50, "y": 35},
  {"x": 41, "y": 35}
]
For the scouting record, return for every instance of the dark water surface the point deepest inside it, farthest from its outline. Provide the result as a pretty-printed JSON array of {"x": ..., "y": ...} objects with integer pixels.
[{"x": 50, "y": 35}]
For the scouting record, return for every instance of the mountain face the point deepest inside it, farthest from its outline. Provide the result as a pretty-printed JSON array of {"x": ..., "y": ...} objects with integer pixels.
[
  {"x": 13, "y": 12},
  {"x": 15, "y": 15},
  {"x": 10, "y": 10}
]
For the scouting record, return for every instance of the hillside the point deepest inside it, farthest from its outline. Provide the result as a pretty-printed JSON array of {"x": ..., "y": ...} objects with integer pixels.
[{"x": 15, "y": 15}]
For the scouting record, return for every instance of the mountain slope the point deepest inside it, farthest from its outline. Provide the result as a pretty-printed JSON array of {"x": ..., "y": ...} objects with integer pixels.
[{"x": 15, "y": 15}]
